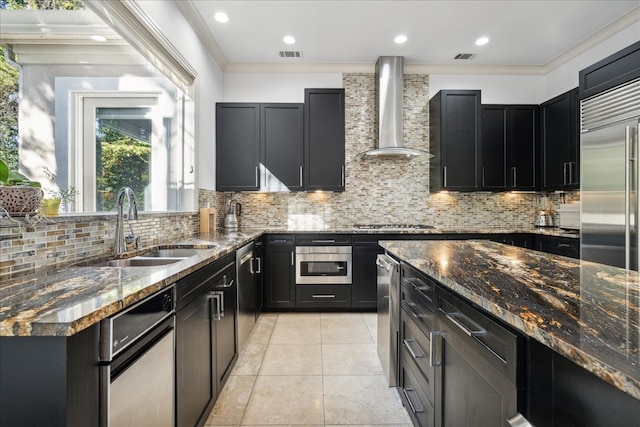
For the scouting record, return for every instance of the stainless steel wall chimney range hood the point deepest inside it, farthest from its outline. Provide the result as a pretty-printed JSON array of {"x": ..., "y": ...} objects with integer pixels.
[{"x": 389, "y": 100}]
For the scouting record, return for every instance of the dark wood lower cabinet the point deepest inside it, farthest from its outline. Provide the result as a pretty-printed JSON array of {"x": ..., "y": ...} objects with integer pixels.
[
  {"x": 279, "y": 272},
  {"x": 206, "y": 343},
  {"x": 50, "y": 381},
  {"x": 563, "y": 394}
]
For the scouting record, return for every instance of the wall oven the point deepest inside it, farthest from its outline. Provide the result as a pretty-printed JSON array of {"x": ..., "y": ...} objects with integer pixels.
[{"x": 323, "y": 265}]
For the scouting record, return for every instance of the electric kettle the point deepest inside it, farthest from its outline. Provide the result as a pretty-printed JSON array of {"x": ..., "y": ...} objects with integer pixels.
[
  {"x": 231, "y": 217},
  {"x": 544, "y": 218}
]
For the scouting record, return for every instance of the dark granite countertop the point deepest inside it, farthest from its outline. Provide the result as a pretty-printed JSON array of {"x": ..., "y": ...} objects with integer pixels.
[
  {"x": 586, "y": 312},
  {"x": 66, "y": 301}
]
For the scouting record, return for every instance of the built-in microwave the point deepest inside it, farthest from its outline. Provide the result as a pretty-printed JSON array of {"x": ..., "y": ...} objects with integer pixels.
[{"x": 318, "y": 265}]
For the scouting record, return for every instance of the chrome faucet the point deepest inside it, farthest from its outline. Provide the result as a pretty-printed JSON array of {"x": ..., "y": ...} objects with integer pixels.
[{"x": 121, "y": 242}]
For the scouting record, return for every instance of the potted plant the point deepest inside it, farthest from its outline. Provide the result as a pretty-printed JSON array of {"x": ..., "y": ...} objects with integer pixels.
[
  {"x": 50, "y": 205},
  {"x": 19, "y": 196},
  {"x": 54, "y": 199}
]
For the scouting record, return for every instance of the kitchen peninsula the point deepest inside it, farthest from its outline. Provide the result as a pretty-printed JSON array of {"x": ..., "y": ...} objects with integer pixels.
[{"x": 586, "y": 313}]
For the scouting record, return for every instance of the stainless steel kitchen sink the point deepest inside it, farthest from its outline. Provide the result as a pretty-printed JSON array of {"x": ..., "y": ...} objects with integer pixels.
[
  {"x": 137, "y": 262},
  {"x": 174, "y": 253}
]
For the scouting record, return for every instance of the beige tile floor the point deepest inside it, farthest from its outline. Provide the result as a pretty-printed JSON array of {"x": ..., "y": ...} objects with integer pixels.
[{"x": 315, "y": 369}]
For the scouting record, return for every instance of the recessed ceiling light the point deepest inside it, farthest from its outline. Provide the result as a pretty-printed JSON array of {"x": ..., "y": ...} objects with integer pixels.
[
  {"x": 289, "y": 40},
  {"x": 482, "y": 41},
  {"x": 400, "y": 39},
  {"x": 221, "y": 17},
  {"x": 97, "y": 38}
]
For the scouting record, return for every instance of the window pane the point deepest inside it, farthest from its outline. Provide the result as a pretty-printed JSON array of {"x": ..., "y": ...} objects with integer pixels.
[{"x": 123, "y": 155}]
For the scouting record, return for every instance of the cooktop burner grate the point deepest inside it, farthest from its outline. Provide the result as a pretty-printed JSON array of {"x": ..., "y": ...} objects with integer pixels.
[{"x": 392, "y": 226}]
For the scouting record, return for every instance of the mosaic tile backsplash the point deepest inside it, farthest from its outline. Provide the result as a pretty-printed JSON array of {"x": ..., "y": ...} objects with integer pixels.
[
  {"x": 385, "y": 190},
  {"x": 49, "y": 243}
]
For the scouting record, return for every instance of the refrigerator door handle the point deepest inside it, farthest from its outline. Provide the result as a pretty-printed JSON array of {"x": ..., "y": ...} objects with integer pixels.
[
  {"x": 630, "y": 198},
  {"x": 635, "y": 196}
]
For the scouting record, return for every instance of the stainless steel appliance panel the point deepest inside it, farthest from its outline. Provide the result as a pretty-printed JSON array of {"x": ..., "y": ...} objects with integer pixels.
[
  {"x": 388, "y": 319},
  {"x": 609, "y": 184},
  {"x": 143, "y": 394},
  {"x": 247, "y": 304}
]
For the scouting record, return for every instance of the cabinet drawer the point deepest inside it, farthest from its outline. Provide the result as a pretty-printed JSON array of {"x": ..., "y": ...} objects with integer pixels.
[
  {"x": 413, "y": 395},
  {"x": 416, "y": 347},
  {"x": 323, "y": 240},
  {"x": 495, "y": 343},
  {"x": 280, "y": 239},
  {"x": 421, "y": 285},
  {"x": 323, "y": 296},
  {"x": 417, "y": 305},
  {"x": 568, "y": 247}
]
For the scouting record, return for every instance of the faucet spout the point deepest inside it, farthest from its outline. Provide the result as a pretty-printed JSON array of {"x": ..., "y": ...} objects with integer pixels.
[{"x": 120, "y": 244}]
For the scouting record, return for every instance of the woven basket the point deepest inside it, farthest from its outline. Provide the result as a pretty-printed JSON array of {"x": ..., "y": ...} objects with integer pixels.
[{"x": 19, "y": 200}]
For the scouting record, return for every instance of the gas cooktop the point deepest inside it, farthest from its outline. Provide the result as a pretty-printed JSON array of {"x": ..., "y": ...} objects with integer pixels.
[{"x": 392, "y": 226}]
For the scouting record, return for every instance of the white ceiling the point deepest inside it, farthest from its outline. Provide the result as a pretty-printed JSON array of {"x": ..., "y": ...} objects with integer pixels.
[{"x": 522, "y": 33}]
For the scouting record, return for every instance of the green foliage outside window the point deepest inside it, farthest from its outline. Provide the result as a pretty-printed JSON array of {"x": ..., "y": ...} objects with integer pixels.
[
  {"x": 124, "y": 162},
  {"x": 9, "y": 98}
]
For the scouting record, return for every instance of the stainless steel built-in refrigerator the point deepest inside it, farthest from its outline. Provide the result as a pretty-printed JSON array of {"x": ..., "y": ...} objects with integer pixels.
[{"x": 610, "y": 202}]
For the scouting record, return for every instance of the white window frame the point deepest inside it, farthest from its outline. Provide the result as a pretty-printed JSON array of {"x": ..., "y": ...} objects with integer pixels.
[{"x": 82, "y": 166}]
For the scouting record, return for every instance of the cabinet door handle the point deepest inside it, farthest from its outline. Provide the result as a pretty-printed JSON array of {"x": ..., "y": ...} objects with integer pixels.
[
  {"x": 407, "y": 343},
  {"x": 257, "y": 176},
  {"x": 215, "y": 310},
  {"x": 251, "y": 266},
  {"x": 432, "y": 342},
  {"x": 519, "y": 421},
  {"x": 444, "y": 176},
  {"x": 406, "y": 392},
  {"x": 259, "y": 270},
  {"x": 514, "y": 175},
  {"x": 225, "y": 284},
  {"x": 293, "y": 262},
  {"x": 483, "y": 177},
  {"x": 564, "y": 173},
  {"x": 342, "y": 176}
]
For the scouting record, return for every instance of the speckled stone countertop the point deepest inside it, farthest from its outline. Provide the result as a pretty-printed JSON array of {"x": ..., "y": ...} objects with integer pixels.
[
  {"x": 66, "y": 301},
  {"x": 70, "y": 300},
  {"x": 584, "y": 311}
]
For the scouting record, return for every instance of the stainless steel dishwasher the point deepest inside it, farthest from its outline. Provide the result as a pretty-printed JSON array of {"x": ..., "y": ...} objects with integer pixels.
[
  {"x": 388, "y": 288},
  {"x": 247, "y": 293},
  {"x": 137, "y": 364}
]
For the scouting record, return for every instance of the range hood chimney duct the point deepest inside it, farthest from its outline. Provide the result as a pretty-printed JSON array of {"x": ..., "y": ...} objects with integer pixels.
[{"x": 389, "y": 101}]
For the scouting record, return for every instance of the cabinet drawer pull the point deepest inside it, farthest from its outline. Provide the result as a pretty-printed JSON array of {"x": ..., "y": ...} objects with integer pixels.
[
  {"x": 410, "y": 307},
  {"x": 418, "y": 284},
  {"x": 469, "y": 332},
  {"x": 323, "y": 241},
  {"x": 519, "y": 421},
  {"x": 406, "y": 392},
  {"x": 323, "y": 296},
  {"x": 407, "y": 343},
  {"x": 563, "y": 245}
]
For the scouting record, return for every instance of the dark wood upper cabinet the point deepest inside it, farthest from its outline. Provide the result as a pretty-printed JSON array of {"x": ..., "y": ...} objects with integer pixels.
[
  {"x": 237, "y": 146},
  {"x": 281, "y": 146},
  {"x": 454, "y": 135},
  {"x": 619, "y": 68},
  {"x": 523, "y": 147},
  {"x": 259, "y": 147},
  {"x": 509, "y": 147},
  {"x": 324, "y": 139},
  {"x": 494, "y": 147},
  {"x": 559, "y": 143}
]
